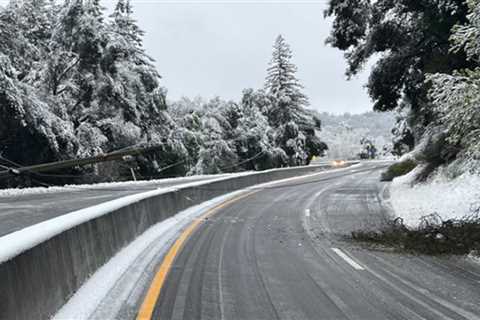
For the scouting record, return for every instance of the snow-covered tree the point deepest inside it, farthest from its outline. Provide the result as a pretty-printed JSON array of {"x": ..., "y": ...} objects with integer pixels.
[
  {"x": 25, "y": 29},
  {"x": 29, "y": 130},
  {"x": 457, "y": 96},
  {"x": 254, "y": 138},
  {"x": 126, "y": 25},
  {"x": 224, "y": 136},
  {"x": 289, "y": 137},
  {"x": 88, "y": 75},
  {"x": 207, "y": 135},
  {"x": 282, "y": 85},
  {"x": 409, "y": 39},
  {"x": 294, "y": 125}
]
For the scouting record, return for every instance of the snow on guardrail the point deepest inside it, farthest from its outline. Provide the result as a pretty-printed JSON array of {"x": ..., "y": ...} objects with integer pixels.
[
  {"x": 104, "y": 185},
  {"x": 17, "y": 242}
]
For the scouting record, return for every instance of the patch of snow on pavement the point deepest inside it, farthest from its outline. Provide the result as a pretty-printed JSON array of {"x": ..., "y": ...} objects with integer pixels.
[{"x": 450, "y": 199}]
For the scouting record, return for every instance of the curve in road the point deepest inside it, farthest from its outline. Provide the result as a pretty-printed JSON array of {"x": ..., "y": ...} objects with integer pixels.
[{"x": 281, "y": 253}]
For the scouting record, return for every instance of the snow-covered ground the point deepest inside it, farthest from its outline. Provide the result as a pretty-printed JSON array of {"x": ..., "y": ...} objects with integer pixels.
[{"x": 450, "y": 199}]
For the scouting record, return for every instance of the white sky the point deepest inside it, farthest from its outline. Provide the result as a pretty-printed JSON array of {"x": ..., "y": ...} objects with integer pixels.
[{"x": 210, "y": 48}]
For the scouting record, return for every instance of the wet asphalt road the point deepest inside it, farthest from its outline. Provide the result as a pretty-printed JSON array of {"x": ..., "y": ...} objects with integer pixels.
[
  {"x": 281, "y": 253},
  {"x": 20, "y": 211}
]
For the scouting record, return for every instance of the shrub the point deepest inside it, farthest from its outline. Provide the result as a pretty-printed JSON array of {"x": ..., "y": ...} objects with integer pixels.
[{"x": 398, "y": 169}]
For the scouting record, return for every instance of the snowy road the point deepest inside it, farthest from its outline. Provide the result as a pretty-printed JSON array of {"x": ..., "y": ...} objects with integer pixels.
[
  {"x": 279, "y": 252},
  {"x": 20, "y": 209}
]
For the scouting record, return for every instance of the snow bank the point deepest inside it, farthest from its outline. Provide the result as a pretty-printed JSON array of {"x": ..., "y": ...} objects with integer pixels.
[{"x": 449, "y": 199}]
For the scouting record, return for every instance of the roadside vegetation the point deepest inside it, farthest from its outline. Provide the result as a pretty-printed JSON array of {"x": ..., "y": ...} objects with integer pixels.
[
  {"x": 426, "y": 69},
  {"x": 76, "y": 82},
  {"x": 433, "y": 236},
  {"x": 398, "y": 169}
]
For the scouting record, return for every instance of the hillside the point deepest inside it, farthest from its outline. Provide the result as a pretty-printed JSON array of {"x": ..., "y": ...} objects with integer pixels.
[{"x": 344, "y": 133}]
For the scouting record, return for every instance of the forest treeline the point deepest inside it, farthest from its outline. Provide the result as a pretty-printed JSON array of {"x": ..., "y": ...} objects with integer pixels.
[{"x": 75, "y": 82}]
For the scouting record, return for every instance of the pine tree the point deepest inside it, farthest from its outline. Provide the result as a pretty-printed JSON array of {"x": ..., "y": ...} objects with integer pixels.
[
  {"x": 295, "y": 126},
  {"x": 283, "y": 86},
  {"x": 125, "y": 23}
]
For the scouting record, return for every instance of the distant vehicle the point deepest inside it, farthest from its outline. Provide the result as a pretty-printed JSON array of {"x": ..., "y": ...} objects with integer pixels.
[{"x": 338, "y": 163}]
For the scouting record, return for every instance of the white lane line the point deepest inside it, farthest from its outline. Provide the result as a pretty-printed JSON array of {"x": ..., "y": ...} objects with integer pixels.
[
  {"x": 220, "y": 275},
  {"x": 349, "y": 260},
  {"x": 307, "y": 213}
]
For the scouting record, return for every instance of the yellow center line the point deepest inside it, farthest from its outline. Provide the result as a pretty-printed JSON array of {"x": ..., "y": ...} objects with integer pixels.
[{"x": 148, "y": 305}]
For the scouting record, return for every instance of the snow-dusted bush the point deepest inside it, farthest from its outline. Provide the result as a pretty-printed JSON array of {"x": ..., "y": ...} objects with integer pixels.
[{"x": 457, "y": 96}]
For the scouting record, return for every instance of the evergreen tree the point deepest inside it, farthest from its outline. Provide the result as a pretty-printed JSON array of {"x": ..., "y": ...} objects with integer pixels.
[
  {"x": 295, "y": 126},
  {"x": 283, "y": 86},
  {"x": 125, "y": 24}
]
